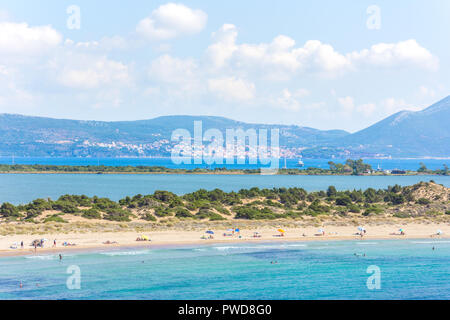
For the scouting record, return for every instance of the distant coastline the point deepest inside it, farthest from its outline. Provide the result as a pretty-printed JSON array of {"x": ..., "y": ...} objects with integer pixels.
[{"x": 350, "y": 168}]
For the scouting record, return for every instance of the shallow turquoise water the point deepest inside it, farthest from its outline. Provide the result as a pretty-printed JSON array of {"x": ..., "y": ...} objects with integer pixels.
[
  {"x": 410, "y": 269},
  {"x": 23, "y": 188}
]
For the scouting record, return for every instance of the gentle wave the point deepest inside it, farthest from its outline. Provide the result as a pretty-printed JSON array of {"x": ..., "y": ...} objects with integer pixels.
[
  {"x": 224, "y": 248},
  {"x": 125, "y": 253},
  {"x": 364, "y": 243},
  {"x": 50, "y": 256},
  {"x": 430, "y": 242}
]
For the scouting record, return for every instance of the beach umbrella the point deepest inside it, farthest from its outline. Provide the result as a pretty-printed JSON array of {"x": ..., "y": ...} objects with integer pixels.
[
  {"x": 144, "y": 237},
  {"x": 439, "y": 232},
  {"x": 360, "y": 228},
  {"x": 237, "y": 230},
  {"x": 210, "y": 232},
  {"x": 320, "y": 230},
  {"x": 401, "y": 230},
  {"x": 281, "y": 230},
  {"x": 230, "y": 229}
]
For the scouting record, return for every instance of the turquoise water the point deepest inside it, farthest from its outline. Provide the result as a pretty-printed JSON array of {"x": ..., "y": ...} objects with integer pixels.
[
  {"x": 405, "y": 164},
  {"x": 409, "y": 269},
  {"x": 22, "y": 188}
]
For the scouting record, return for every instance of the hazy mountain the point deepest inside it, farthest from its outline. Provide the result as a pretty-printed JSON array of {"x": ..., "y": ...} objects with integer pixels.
[
  {"x": 424, "y": 133},
  {"x": 38, "y": 136},
  {"x": 406, "y": 133}
]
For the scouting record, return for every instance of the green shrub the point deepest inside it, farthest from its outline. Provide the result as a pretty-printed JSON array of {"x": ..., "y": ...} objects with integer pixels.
[
  {"x": 255, "y": 213},
  {"x": 162, "y": 211},
  {"x": 54, "y": 218},
  {"x": 402, "y": 215},
  {"x": 372, "y": 209},
  {"x": 183, "y": 213},
  {"x": 222, "y": 210},
  {"x": 65, "y": 206},
  {"x": 9, "y": 210},
  {"x": 423, "y": 201},
  {"x": 343, "y": 201},
  {"x": 207, "y": 214},
  {"x": 317, "y": 207},
  {"x": 148, "y": 217},
  {"x": 354, "y": 208},
  {"x": 117, "y": 214},
  {"x": 91, "y": 214},
  {"x": 104, "y": 204}
]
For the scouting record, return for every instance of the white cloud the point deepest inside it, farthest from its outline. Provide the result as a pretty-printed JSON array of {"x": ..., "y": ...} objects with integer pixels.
[
  {"x": 89, "y": 72},
  {"x": 277, "y": 59},
  {"x": 367, "y": 109},
  {"x": 286, "y": 101},
  {"x": 347, "y": 103},
  {"x": 106, "y": 44},
  {"x": 172, "y": 20},
  {"x": 393, "y": 105},
  {"x": 403, "y": 53},
  {"x": 232, "y": 88},
  {"x": 425, "y": 92},
  {"x": 290, "y": 100},
  {"x": 224, "y": 45},
  {"x": 281, "y": 58},
  {"x": 21, "y": 39},
  {"x": 173, "y": 70}
]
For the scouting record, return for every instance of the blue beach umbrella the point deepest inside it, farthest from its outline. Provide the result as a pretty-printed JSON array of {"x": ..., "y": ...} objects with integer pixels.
[
  {"x": 237, "y": 230},
  {"x": 210, "y": 232}
]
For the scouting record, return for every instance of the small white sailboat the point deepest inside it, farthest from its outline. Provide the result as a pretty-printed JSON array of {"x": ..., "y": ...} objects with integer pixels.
[{"x": 300, "y": 163}]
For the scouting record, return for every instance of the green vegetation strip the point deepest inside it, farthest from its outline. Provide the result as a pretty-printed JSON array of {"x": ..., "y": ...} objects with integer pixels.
[
  {"x": 350, "y": 167},
  {"x": 250, "y": 204}
]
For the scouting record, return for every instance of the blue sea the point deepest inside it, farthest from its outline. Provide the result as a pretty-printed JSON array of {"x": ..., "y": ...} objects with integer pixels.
[{"x": 404, "y": 269}]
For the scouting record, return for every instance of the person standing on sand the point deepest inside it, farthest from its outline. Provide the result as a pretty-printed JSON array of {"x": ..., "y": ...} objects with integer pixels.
[
  {"x": 54, "y": 243},
  {"x": 21, "y": 244}
]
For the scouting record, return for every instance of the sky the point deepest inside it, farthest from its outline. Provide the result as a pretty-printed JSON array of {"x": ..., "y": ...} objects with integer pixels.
[{"x": 323, "y": 64}]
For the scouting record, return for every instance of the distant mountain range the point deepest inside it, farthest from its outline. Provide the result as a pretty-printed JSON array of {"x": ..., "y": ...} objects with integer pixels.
[{"x": 424, "y": 133}]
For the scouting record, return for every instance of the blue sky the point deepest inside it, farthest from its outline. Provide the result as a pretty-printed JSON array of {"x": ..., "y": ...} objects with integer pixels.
[{"x": 323, "y": 64}]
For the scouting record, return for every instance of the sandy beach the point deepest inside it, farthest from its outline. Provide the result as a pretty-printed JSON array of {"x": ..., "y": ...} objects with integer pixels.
[{"x": 97, "y": 241}]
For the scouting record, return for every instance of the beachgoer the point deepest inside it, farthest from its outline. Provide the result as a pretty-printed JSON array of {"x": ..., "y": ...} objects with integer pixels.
[
  {"x": 54, "y": 243},
  {"x": 60, "y": 257},
  {"x": 21, "y": 244}
]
